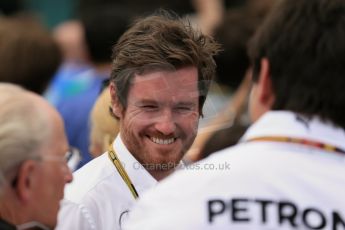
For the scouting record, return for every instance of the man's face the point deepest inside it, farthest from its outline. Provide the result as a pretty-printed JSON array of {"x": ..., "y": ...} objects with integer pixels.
[
  {"x": 161, "y": 118},
  {"x": 52, "y": 175}
]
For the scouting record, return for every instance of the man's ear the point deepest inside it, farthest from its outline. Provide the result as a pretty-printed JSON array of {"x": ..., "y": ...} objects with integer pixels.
[
  {"x": 26, "y": 180},
  {"x": 264, "y": 84},
  {"x": 116, "y": 105}
]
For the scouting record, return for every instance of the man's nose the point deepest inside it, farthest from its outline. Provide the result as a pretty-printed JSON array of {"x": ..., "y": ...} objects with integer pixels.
[{"x": 165, "y": 123}]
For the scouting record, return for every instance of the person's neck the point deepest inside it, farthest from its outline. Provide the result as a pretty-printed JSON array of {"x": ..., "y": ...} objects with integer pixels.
[
  {"x": 12, "y": 211},
  {"x": 159, "y": 175},
  {"x": 8, "y": 214}
]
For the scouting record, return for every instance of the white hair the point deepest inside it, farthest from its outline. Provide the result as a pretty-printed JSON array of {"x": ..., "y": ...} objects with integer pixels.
[{"x": 23, "y": 128}]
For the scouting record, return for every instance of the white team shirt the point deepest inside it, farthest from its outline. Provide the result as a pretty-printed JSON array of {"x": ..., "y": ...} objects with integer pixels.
[
  {"x": 98, "y": 198},
  {"x": 268, "y": 185}
]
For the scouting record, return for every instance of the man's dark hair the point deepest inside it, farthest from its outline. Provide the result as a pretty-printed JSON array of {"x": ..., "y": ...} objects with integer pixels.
[
  {"x": 28, "y": 54},
  {"x": 103, "y": 25},
  {"x": 161, "y": 42},
  {"x": 234, "y": 33},
  {"x": 304, "y": 43},
  {"x": 11, "y": 7}
]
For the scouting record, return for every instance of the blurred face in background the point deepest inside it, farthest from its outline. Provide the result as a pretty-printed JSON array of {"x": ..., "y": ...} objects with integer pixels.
[{"x": 104, "y": 127}]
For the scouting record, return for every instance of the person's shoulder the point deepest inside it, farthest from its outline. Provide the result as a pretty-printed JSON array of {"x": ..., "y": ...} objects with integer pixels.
[
  {"x": 186, "y": 191},
  {"x": 75, "y": 216},
  {"x": 95, "y": 198},
  {"x": 88, "y": 177},
  {"x": 220, "y": 171},
  {"x": 227, "y": 173}
]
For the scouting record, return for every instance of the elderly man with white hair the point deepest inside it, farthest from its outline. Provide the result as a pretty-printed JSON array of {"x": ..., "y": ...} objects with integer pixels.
[{"x": 33, "y": 164}]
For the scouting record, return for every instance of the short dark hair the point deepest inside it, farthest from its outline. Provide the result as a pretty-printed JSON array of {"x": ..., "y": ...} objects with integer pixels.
[
  {"x": 304, "y": 43},
  {"x": 234, "y": 33},
  {"x": 103, "y": 25},
  {"x": 29, "y": 56},
  {"x": 162, "y": 41}
]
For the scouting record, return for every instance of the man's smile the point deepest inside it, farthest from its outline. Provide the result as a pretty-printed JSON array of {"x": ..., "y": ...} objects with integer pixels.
[{"x": 162, "y": 141}]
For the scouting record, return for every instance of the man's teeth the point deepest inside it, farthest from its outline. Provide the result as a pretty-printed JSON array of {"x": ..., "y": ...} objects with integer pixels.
[{"x": 162, "y": 141}]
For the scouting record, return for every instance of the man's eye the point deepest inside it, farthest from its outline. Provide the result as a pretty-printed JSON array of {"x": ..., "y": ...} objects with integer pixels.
[
  {"x": 184, "y": 109},
  {"x": 149, "y": 107}
]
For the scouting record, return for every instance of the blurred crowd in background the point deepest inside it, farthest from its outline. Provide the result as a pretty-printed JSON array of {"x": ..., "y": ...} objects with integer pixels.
[{"x": 62, "y": 50}]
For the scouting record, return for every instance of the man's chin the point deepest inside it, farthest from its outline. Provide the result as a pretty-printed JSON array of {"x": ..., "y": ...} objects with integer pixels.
[
  {"x": 160, "y": 167},
  {"x": 161, "y": 163}
]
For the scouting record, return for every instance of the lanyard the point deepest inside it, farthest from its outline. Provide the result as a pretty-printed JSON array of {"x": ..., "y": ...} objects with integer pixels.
[
  {"x": 115, "y": 159},
  {"x": 315, "y": 144}
]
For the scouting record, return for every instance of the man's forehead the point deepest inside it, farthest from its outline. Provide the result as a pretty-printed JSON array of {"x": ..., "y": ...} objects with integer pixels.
[
  {"x": 166, "y": 85},
  {"x": 163, "y": 79}
]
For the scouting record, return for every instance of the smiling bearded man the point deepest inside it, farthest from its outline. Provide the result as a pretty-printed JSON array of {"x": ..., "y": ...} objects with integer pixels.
[
  {"x": 162, "y": 69},
  {"x": 161, "y": 118}
]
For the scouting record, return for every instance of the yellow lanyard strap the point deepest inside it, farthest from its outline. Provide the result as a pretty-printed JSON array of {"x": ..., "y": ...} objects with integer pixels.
[
  {"x": 114, "y": 158},
  {"x": 311, "y": 143}
]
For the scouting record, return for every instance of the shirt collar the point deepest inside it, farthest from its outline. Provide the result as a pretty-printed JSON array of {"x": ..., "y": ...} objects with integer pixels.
[
  {"x": 289, "y": 124},
  {"x": 141, "y": 178}
]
